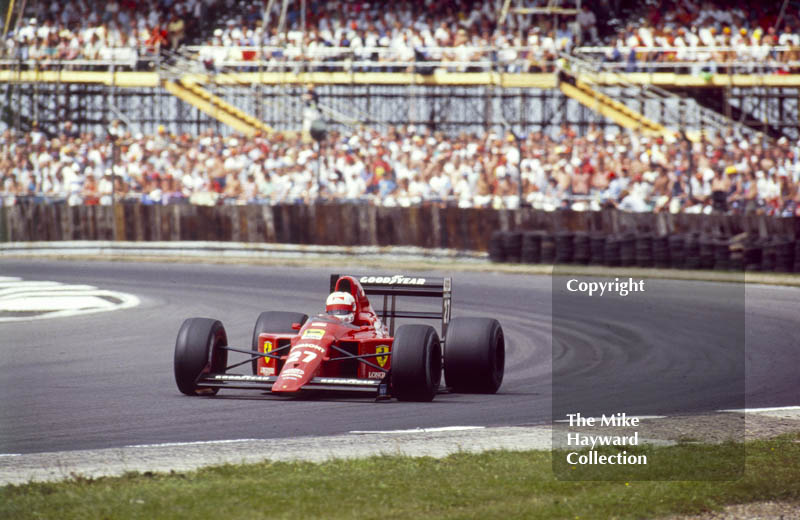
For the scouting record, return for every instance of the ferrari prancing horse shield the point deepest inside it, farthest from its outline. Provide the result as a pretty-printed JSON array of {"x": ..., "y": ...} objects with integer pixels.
[{"x": 382, "y": 349}]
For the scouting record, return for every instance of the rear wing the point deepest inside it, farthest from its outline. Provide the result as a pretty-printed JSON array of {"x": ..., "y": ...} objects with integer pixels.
[{"x": 392, "y": 286}]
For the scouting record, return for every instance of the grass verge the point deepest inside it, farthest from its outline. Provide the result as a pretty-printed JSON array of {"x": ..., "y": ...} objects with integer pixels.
[{"x": 488, "y": 485}]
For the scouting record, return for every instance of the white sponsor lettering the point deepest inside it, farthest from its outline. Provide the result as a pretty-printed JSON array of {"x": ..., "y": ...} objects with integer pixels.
[
  {"x": 311, "y": 346},
  {"x": 376, "y": 375},
  {"x": 320, "y": 324},
  {"x": 397, "y": 279},
  {"x": 242, "y": 377},
  {"x": 338, "y": 381},
  {"x": 313, "y": 334},
  {"x": 266, "y": 371},
  {"x": 292, "y": 373}
]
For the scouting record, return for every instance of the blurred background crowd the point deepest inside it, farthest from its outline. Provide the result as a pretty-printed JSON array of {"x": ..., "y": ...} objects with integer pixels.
[
  {"x": 409, "y": 165},
  {"x": 715, "y": 35},
  {"x": 406, "y": 165}
]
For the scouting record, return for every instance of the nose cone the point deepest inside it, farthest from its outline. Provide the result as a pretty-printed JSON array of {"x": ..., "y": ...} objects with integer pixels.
[{"x": 300, "y": 367}]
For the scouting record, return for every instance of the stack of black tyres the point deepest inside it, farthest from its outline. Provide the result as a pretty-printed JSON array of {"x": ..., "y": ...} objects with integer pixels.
[
  {"x": 582, "y": 252},
  {"x": 548, "y": 248},
  {"x": 565, "y": 249},
  {"x": 612, "y": 253},
  {"x": 691, "y": 249},
  {"x": 768, "y": 255},
  {"x": 627, "y": 250},
  {"x": 797, "y": 256},
  {"x": 597, "y": 248},
  {"x": 737, "y": 254},
  {"x": 644, "y": 250},
  {"x": 496, "y": 246},
  {"x": 677, "y": 251},
  {"x": 784, "y": 255},
  {"x": 722, "y": 255},
  {"x": 512, "y": 244},
  {"x": 752, "y": 255},
  {"x": 532, "y": 247},
  {"x": 707, "y": 245},
  {"x": 661, "y": 256}
]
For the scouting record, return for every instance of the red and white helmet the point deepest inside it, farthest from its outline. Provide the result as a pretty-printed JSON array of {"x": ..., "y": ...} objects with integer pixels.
[{"x": 341, "y": 305}]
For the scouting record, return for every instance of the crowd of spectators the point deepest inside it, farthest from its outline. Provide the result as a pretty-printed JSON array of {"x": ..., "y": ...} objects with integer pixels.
[
  {"x": 118, "y": 30},
  {"x": 460, "y": 35},
  {"x": 405, "y": 166},
  {"x": 718, "y": 36}
]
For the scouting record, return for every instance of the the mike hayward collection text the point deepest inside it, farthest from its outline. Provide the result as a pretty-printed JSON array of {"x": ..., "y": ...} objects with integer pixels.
[{"x": 582, "y": 440}]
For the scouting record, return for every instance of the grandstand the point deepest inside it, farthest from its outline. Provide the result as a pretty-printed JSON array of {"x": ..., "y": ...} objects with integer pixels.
[{"x": 662, "y": 106}]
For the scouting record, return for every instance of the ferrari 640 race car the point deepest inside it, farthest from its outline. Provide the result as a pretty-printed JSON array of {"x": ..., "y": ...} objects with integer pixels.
[{"x": 350, "y": 348}]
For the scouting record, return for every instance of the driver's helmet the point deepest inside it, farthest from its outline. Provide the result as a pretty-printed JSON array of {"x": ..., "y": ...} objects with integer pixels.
[{"x": 341, "y": 305}]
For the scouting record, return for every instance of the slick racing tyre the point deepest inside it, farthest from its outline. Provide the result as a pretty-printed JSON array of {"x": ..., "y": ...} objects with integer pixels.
[
  {"x": 474, "y": 355},
  {"x": 198, "y": 351},
  {"x": 416, "y": 363},
  {"x": 278, "y": 322}
]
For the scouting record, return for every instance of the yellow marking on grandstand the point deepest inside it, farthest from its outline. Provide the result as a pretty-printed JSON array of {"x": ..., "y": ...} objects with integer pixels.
[
  {"x": 612, "y": 109},
  {"x": 120, "y": 79},
  {"x": 216, "y": 107},
  {"x": 438, "y": 77}
]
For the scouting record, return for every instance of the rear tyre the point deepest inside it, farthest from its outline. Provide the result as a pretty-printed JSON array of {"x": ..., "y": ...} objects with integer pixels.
[
  {"x": 416, "y": 363},
  {"x": 277, "y": 322},
  {"x": 474, "y": 355},
  {"x": 198, "y": 351}
]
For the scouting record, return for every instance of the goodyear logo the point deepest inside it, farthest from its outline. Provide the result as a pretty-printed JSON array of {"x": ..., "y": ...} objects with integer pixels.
[
  {"x": 382, "y": 349},
  {"x": 313, "y": 334},
  {"x": 397, "y": 279}
]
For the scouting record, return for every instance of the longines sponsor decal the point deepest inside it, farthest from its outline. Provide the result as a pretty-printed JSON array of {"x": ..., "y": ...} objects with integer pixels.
[
  {"x": 376, "y": 375},
  {"x": 397, "y": 279}
]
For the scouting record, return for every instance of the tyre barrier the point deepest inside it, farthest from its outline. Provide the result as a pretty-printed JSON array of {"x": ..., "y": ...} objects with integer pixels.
[
  {"x": 627, "y": 250},
  {"x": 597, "y": 249},
  {"x": 548, "y": 249},
  {"x": 565, "y": 249},
  {"x": 797, "y": 256},
  {"x": 613, "y": 251},
  {"x": 582, "y": 253},
  {"x": 678, "y": 251},
  {"x": 496, "y": 251},
  {"x": 532, "y": 247},
  {"x": 512, "y": 246},
  {"x": 644, "y": 250},
  {"x": 661, "y": 253}
]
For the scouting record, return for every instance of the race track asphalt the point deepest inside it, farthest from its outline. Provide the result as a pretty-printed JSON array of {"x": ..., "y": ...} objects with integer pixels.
[{"x": 106, "y": 380}]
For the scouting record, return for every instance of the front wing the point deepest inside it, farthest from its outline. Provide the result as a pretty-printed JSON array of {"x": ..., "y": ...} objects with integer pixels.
[{"x": 379, "y": 387}]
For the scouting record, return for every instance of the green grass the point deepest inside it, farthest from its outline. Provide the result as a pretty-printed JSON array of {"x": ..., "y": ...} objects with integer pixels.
[{"x": 483, "y": 486}]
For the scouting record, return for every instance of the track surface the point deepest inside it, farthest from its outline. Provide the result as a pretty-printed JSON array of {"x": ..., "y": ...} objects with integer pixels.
[{"x": 104, "y": 381}]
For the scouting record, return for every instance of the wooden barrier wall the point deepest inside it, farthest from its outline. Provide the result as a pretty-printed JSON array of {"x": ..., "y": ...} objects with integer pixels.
[{"x": 350, "y": 224}]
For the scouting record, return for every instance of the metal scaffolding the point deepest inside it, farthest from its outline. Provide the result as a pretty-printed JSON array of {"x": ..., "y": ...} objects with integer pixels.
[{"x": 448, "y": 108}]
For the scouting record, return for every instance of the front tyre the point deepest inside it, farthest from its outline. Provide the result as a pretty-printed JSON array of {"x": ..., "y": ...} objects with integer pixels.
[
  {"x": 198, "y": 351},
  {"x": 416, "y": 363},
  {"x": 474, "y": 355}
]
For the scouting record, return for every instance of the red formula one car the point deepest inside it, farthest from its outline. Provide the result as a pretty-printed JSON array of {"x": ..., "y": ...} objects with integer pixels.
[{"x": 350, "y": 348}]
